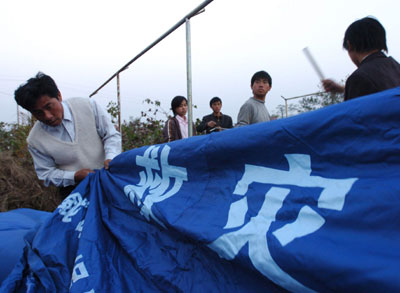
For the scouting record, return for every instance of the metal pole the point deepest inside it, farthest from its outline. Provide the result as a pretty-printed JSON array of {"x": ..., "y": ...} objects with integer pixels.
[
  {"x": 286, "y": 106},
  {"x": 194, "y": 12},
  {"x": 298, "y": 97},
  {"x": 303, "y": 96},
  {"x": 119, "y": 105},
  {"x": 189, "y": 77},
  {"x": 17, "y": 114}
]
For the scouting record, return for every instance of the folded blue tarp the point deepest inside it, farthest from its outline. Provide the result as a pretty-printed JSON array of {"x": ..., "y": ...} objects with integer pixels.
[
  {"x": 14, "y": 226},
  {"x": 308, "y": 203}
]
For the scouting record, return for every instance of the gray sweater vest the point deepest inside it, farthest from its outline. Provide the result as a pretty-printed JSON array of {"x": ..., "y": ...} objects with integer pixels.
[{"x": 86, "y": 151}]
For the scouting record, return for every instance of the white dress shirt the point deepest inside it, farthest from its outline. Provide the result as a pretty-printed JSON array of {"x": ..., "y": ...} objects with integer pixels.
[
  {"x": 45, "y": 166},
  {"x": 183, "y": 125}
]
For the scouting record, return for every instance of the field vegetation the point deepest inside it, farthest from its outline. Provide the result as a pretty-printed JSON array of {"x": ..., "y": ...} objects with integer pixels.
[{"x": 19, "y": 185}]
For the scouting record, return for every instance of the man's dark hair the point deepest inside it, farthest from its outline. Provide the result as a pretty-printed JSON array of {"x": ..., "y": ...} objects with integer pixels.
[
  {"x": 28, "y": 94},
  {"x": 214, "y": 100},
  {"x": 261, "y": 75},
  {"x": 176, "y": 102},
  {"x": 365, "y": 35}
]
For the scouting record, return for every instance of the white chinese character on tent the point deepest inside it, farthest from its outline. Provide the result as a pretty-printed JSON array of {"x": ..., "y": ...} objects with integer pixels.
[
  {"x": 71, "y": 206},
  {"x": 254, "y": 232},
  {"x": 79, "y": 271},
  {"x": 152, "y": 187},
  {"x": 79, "y": 228}
]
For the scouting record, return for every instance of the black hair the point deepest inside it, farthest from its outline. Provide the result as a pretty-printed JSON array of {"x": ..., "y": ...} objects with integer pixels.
[
  {"x": 214, "y": 100},
  {"x": 365, "y": 35},
  {"x": 261, "y": 75},
  {"x": 26, "y": 95},
  {"x": 176, "y": 102}
]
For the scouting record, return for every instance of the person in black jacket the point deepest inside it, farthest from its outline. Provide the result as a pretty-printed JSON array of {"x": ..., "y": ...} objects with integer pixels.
[
  {"x": 365, "y": 41},
  {"x": 216, "y": 121}
]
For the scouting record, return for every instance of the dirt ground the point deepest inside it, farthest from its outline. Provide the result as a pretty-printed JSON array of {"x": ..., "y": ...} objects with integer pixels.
[{"x": 20, "y": 187}]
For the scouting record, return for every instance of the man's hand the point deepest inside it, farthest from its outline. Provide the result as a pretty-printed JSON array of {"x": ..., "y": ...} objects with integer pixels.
[
  {"x": 81, "y": 174},
  {"x": 211, "y": 123},
  {"x": 331, "y": 86},
  {"x": 106, "y": 163}
]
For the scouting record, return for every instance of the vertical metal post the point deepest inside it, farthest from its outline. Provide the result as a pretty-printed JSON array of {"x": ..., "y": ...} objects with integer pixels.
[
  {"x": 189, "y": 77},
  {"x": 286, "y": 106},
  {"x": 17, "y": 114},
  {"x": 119, "y": 105}
]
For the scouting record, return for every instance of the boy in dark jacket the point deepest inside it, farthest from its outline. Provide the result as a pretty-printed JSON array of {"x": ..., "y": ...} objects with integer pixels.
[{"x": 216, "y": 121}]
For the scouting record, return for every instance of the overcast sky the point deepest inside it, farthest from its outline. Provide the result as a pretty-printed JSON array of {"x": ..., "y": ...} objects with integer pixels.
[{"x": 82, "y": 43}]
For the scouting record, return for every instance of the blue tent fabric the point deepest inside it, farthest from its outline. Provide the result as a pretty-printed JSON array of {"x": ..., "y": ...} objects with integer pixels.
[
  {"x": 303, "y": 204},
  {"x": 14, "y": 226}
]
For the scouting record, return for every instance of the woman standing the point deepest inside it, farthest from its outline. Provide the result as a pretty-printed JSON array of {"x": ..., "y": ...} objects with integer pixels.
[{"x": 177, "y": 127}]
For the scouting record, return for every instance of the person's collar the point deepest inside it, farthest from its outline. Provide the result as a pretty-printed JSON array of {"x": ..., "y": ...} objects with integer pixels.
[
  {"x": 258, "y": 100},
  {"x": 219, "y": 114},
  {"x": 180, "y": 118},
  {"x": 67, "y": 115},
  {"x": 370, "y": 54},
  {"x": 67, "y": 112}
]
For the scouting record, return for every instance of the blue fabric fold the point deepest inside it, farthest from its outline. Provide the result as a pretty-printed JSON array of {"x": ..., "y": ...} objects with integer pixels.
[{"x": 303, "y": 204}]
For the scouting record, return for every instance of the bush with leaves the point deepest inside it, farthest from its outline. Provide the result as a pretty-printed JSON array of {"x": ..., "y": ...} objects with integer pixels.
[
  {"x": 137, "y": 133},
  {"x": 19, "y": 185},
  {"x": 145, "y": 130},
  {"x": 13, "y": 139},
  {"x": 318, "y": 101}
]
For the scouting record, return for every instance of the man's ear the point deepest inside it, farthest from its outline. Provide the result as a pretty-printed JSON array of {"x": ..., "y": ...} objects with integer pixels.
[{"x": 59, "y": 96}]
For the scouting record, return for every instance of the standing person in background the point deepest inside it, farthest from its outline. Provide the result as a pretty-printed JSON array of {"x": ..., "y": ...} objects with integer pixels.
[
  {"x": 365, "y": 41},
  {"x": 216, "y": 121},
  {"x": 70, "y": 138},
  {"x": 254, "y": 110},
  {"x": 177, "y": 127}
]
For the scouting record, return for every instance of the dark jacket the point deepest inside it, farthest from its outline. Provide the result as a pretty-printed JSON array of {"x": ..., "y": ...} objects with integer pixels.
[
  {"x": 172, "y": 131},
  {"x": 223, "y": 121},
  {"x": 376, "y": 73}
]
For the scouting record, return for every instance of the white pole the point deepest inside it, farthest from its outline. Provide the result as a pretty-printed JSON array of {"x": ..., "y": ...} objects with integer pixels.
[
  {"x": 313, "y": 63},
  {"x": 189, "y": 77}
]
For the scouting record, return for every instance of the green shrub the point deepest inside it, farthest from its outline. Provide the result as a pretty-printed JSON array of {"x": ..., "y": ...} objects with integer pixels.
[
  {"x": 145, "y": 130},
  {"x": 13, "y": 139}
]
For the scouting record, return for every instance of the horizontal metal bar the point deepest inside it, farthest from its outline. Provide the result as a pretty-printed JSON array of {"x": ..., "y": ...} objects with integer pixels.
[
  {"x": 194, "y": 12},
  {"x": 314, "y": 94}
]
